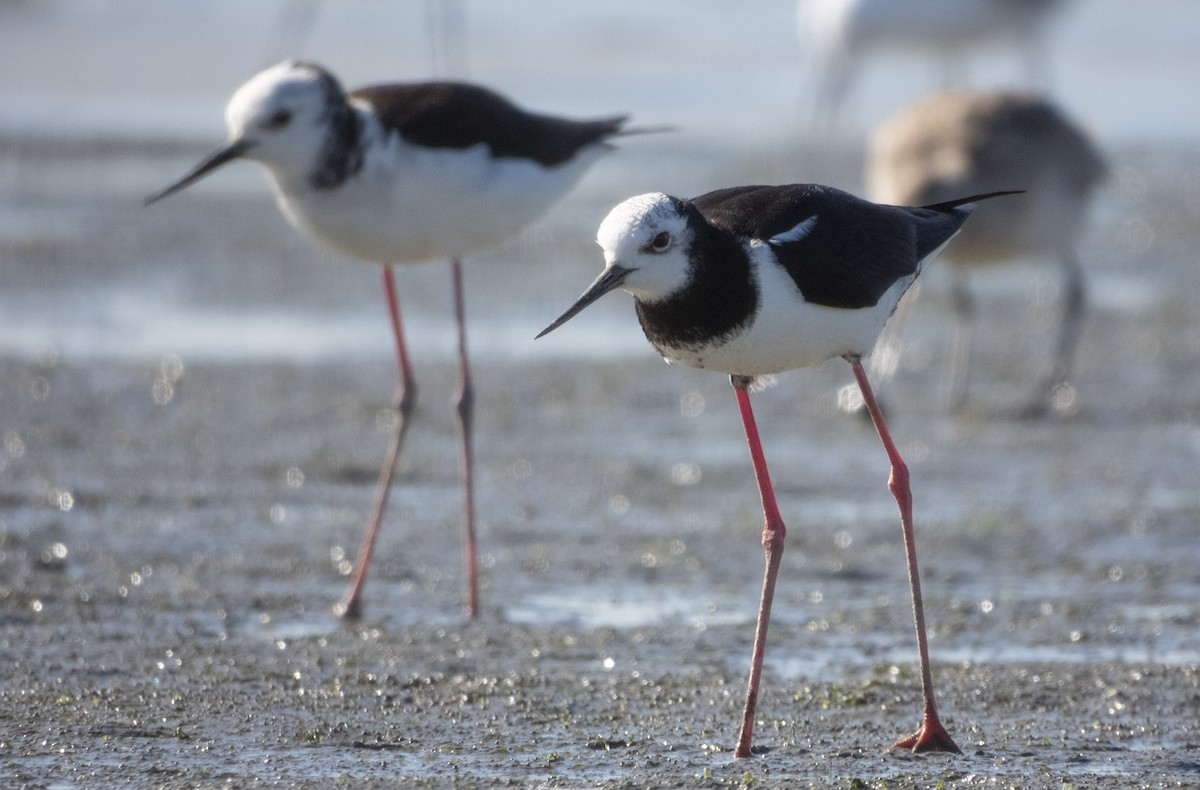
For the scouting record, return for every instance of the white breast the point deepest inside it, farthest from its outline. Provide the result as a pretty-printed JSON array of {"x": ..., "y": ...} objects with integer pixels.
[
  {"x": 409, "y": 203},
  {"x": 789, "y": 333}
]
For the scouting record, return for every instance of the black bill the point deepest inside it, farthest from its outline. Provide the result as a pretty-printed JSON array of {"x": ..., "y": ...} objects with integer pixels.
[
  {"x": 230, "y": 152},
  {"x": 610, "y": 278}
]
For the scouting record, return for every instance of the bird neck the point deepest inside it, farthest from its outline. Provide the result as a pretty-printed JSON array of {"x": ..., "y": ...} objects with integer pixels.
[
  {"x": 340, "y": 155},
  {"x": 719, "y": 299}
]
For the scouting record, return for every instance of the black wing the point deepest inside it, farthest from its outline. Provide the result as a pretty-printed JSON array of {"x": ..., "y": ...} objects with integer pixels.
[
  {"x": 459, "y": 115},
  {"x": 853, "y": 252}
]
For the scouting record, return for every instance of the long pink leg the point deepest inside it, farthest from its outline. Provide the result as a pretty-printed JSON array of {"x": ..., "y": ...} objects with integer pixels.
[
  {"x": 772, "y": 541},
  {"x": 931, "y": 737},
  {"x": 464, "y": 408},
  {"x": 404, "y": 401}
]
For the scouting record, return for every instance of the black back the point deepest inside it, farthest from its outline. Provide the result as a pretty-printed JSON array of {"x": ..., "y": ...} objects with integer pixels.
[
  {"x": 856, "y": 249},
  {"x": 459, "y": 115}
]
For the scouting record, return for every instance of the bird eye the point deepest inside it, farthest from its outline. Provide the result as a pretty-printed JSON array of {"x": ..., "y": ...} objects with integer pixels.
[
  {"x": 661, "y": 241},
  {"x": 278, "y": 120}
]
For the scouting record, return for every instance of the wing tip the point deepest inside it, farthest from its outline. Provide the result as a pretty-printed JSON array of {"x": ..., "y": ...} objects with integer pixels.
[{"x": 950, "y": 205}]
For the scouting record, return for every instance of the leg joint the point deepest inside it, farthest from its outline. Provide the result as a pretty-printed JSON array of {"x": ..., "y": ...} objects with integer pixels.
[
  {"x": 464, "y": 398},
  {"x": 405, "y": 399},
  {"x": 898, "y": 481}
]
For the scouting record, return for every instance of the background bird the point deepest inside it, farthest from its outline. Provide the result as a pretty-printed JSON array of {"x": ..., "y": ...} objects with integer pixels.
[
  {"x": 405, "y": 173},
  {"x": 752, "y": 281},
  {"x": 964, "y": 141},
  {"x": 845, "y": 33}
]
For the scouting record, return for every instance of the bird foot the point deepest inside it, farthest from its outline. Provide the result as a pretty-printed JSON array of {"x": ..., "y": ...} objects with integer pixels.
[
  {"x": 932, "y": 737},
  {"x": 348, "y": 609}
]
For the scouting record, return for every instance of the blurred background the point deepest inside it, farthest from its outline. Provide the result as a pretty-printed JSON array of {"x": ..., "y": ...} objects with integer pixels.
[
  {"x": 106, "y": 101},
  {"x": 193, "y": 397}
]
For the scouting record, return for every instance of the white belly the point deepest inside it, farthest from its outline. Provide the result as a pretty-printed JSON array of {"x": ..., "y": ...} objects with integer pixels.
[
  {"x": 789, "y": 333},
  {"x": 409, "y": 204}
]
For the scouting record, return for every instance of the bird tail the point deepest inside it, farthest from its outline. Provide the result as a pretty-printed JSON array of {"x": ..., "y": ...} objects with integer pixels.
[
  {"x": 634, "y": 130},
  {"x": 950, "y": 205}
]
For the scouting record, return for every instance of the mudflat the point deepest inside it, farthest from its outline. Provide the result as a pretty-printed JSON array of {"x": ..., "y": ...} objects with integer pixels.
[{"x": 176, "y": 524}]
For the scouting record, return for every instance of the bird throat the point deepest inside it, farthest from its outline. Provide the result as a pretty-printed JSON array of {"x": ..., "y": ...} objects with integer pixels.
[
  {"x": 718, "y": 302},
  {"x": 341, "y": 154}
]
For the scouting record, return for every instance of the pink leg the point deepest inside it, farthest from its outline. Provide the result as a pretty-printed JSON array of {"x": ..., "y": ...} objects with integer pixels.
[
  {"x": 772, "y": 540},
  {"x": 464, "y": 403},
  {"x": 931, "y": 737},
  {"x": 404, "y": 401}
]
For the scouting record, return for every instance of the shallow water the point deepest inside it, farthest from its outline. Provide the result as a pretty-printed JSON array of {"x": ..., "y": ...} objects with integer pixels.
[
  {"x": 107, "y": 116},
  {"x": 190, "y": 401}
]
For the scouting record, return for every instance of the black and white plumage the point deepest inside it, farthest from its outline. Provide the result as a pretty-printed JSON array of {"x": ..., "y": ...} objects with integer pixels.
[
  {"x": 757, "y": 280},
  {"x": 761, "y": 279},
  {"x": 402, "y": 173},
  {"x": 405, "y": 173}
]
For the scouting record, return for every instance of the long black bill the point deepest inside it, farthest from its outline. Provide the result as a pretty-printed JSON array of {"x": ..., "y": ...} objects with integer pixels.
[
  {"x": 230, "y": 152},
  {"x": 610, "y": 278}
]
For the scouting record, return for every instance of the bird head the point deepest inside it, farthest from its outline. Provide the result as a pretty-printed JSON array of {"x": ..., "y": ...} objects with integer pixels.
[
  {"x": 279, "y": 117},
  {"x": 647, "y": 242}
]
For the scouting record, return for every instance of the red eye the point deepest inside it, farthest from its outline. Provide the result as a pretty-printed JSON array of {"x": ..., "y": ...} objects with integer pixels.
[{"x": 661, "y": 241}]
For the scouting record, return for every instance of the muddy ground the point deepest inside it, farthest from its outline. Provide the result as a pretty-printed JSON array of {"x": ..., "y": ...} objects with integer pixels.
[{"x": 176, "y": 516}]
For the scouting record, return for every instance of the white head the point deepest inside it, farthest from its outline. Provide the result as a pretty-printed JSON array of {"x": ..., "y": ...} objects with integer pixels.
[
  {"x": 647, "y": 241},
  {"x": 650, "y": 235},
  {"x": 281, "y": 114},
  {"x": 282, "y": 117}
]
